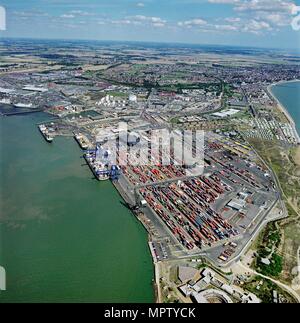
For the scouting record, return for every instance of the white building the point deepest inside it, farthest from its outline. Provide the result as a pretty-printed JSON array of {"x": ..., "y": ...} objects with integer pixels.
[{"x": 132, "y": 98}]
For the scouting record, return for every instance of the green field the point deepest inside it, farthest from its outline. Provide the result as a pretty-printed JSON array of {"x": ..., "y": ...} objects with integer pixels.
[{"x": 282, "y": 161}]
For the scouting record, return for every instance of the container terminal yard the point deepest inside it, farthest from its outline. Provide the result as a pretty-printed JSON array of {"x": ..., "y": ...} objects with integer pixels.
[
  {"x": 212, "y": 209},
  {"x": 203, "y": 214}
]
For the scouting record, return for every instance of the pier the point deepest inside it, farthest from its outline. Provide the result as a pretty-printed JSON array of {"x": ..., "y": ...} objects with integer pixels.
[{"x": 12, "y": 113}]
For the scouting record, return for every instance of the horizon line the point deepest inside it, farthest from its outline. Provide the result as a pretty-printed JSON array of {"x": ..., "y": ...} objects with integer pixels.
[{"x": 151, "y": 42}]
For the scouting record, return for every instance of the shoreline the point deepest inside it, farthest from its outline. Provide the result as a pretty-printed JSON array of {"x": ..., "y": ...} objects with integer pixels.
[
  {"x": 156, "y": 276},
  {"x": 284, "y": 109}
]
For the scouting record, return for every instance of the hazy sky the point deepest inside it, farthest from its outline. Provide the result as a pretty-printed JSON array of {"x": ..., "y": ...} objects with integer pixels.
[{"x": 263, "y": 23}]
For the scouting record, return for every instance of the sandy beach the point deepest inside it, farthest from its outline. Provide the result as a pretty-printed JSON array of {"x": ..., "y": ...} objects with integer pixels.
[{"x": 282, "y": 108}]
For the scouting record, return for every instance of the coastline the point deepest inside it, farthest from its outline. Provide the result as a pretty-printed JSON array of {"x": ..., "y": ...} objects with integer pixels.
[
  {"x": 156, "y": 278},
  {"x": 284, "y": 109}
]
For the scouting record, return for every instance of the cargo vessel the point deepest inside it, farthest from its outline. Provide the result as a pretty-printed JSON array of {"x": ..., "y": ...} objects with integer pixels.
[
  {"x": 101, "y": 164},
  {"x": 23, "y": 105},
  {"x": 82, "y": 141},
  {"x": 44, "y": 131},
  {"x": 101, "y": 171}
]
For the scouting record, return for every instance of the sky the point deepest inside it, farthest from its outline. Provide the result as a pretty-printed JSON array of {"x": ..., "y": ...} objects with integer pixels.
[{"x": 255, "y": 23}]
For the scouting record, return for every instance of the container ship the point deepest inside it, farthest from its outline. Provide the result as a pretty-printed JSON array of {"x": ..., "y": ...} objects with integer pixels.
[
  {"x": 100, "y": 170},
  {"x": 44, "y": 131},
  {"x": 82, "y": 141},
  {"x": 100, "y": 163},
  {"x": 23, "y": 105}
]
